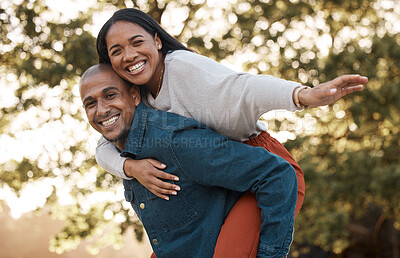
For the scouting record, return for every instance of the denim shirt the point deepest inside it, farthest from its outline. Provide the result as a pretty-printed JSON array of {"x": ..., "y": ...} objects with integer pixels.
[{"x": 214, "y": 171}]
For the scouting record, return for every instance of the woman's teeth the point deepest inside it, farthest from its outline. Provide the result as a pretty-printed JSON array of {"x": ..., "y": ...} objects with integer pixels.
[
  {"x": 110, "y": 121},
  {"x": 136, "y": 67}
]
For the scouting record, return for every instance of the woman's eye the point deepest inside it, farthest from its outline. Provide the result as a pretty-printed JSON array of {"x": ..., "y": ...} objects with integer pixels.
[
  {"x": 115, "y": 52},
  {"x": 137, "y": 42}
]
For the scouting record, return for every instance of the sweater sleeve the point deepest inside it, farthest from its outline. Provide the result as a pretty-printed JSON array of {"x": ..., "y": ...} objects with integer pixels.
[
  {"x": 227, "y": 101},
  {"x": 109, "y": 159}
]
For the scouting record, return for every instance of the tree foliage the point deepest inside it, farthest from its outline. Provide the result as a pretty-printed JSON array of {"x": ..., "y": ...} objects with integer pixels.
[{"x": 348, "y": 151}]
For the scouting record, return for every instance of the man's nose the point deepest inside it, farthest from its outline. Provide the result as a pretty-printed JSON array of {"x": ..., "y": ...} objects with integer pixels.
[
  {"x": 103, "y": 108},
  {"x": 130, "y": 54}
]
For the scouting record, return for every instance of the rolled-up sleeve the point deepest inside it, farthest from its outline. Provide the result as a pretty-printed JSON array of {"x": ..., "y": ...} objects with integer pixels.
[{"x": 210, "y": 159}]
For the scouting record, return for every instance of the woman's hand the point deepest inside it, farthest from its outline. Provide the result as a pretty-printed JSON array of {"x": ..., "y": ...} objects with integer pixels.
[
  {"x": 330, "y": 92},
  {"x": 148, "y": 173}
]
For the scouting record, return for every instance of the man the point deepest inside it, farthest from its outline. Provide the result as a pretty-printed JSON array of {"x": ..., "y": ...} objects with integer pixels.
[{"x": 213, "y": 171}]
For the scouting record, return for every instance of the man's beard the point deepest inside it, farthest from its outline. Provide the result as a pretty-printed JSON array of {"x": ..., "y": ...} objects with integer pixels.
[{"x": 122, "y": 135}]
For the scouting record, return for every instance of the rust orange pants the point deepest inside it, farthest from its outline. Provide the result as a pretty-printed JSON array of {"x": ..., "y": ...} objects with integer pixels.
[{"x": 240, "y": 234}]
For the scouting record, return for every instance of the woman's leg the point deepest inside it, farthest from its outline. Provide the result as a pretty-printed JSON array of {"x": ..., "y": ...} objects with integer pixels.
[{"x": 239, "y": 236}]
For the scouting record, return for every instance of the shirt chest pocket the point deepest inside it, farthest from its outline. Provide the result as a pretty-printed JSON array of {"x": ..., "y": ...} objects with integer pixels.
[{"x": 174, "y": 213}]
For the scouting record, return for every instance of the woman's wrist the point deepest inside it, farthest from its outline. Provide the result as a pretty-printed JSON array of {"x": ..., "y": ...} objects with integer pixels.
[
  {"x": 299, "y": 96},
  {"x": 127, "y": 169}
]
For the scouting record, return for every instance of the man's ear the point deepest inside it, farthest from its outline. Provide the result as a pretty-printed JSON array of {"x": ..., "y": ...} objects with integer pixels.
[{"x": 135, "y": 92}]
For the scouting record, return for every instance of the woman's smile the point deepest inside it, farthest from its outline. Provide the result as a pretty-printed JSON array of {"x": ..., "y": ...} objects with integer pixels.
[{"x": 136, "y": 68}]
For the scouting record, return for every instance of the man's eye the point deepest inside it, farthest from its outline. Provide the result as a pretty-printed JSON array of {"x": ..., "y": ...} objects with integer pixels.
[
  {"x": 89, "y": 104},
  {"x": 110, "y": 95}
]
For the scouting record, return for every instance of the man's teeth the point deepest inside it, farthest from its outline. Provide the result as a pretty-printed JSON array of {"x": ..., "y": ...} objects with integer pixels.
[
  {"x": 136, "y": 67},
  {"x": 110, "y": 121}
]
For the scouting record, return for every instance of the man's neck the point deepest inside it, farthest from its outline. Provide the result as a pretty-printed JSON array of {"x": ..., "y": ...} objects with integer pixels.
[{"x": 120, "y": 144}]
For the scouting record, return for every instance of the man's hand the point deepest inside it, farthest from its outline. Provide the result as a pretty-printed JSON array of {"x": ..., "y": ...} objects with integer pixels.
[
  {"x": 148, "y": 173},
  {"x": 330, "y": 92}
]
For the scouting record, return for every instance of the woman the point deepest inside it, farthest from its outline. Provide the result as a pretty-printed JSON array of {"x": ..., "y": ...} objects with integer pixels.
[{"x": 177, "y": 80}]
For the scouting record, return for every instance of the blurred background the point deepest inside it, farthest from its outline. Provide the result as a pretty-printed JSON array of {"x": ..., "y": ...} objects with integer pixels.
[{"x": 55, "y": 201}]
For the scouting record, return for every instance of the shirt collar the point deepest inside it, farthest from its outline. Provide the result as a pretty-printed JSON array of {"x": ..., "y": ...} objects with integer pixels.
[{"x": 134, "y": 140}]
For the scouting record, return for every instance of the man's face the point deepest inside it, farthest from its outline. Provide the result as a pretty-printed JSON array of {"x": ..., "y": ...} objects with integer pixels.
[{"x": 110, "y": 104}]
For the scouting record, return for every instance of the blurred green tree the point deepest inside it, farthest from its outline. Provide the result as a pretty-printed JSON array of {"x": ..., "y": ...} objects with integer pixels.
[{"x": 348, "y": 151}]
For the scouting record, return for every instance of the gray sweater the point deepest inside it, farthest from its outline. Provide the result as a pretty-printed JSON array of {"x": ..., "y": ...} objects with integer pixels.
[{"x": 226, "y": 101}]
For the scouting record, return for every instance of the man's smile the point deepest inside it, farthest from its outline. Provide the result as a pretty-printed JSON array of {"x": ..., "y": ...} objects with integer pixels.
[{"x": 109, "y": 122}]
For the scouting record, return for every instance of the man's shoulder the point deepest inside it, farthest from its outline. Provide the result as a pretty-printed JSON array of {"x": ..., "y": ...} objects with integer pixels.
[{"x": 171, "y": 122}]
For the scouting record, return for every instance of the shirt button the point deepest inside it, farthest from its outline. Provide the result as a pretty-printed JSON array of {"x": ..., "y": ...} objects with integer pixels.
[
  {"x": 142, "y": 206},
  {"x": 155, "y": 241}
]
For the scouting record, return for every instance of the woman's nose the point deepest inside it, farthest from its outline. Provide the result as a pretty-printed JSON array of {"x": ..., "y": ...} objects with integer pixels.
[{"x": 130, "y": 54}]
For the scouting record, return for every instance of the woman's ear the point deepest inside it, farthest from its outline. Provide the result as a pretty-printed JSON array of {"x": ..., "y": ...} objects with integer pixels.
[
  {"x": 135, "y": 92},
  {"x": 158, "y": 41}
]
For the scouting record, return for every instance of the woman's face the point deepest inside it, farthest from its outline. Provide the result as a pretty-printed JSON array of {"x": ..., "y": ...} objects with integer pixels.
[{"x": 134, "y": 53}]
